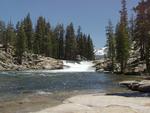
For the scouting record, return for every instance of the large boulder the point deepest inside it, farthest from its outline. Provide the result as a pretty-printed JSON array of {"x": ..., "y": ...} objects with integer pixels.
[
  {"x": 8, "y": 61},
  {"x": 102, "y": 65},
  {"x": 142, "y": 86},
  {"x": 46, "y": 63}
]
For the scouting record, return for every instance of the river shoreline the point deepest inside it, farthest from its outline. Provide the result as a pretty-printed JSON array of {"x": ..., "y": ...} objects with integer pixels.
[
  {"x": 8, "y": 62},
  {"x": 48, "y": 92},
  {"x": 101, "y": 103},
  {"x": 78, "y": 103}
]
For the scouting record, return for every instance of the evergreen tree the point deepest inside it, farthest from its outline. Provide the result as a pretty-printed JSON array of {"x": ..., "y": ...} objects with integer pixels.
[
  {"x": 43, "y": 38},
  {"x": 48, "y": 41},
  {"x": 55, "y": 42},
  {"x": 84, "y": 49},
  {"x": 61, "y": 42},
  {"x": 20, "y": 43},
  {"x": 140, "y": 28},
  {"x": 122, "y": 39},
  {"x": 40, "y": 33},
  {"x": 2, "y": 32},
  {"x": 148, "y": 36},
  {"x": 80, "y": 42},
  {"x": 17, "y": 26},
  {"x": 70, "y": 43},
  {"x": 110, "y": 43},
  {"x": 132, "y": 29},
  {"x": 90, "y": 48},
  {"x": 142, "y": 31},
  {"x": 10, "y": 36},
  {"x": 29, "y": 32}
]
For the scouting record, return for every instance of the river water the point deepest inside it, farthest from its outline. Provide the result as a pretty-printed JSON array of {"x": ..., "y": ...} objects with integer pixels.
[{"x": 21, "y": 92}]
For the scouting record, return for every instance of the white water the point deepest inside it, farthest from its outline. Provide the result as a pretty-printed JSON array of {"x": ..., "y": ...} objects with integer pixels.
[{"x": 84, "y": 66}]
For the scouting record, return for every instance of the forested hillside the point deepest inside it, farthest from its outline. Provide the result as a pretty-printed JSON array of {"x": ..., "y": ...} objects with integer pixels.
[
  {"x": 46, "y": 40},
  {"x": 128, "y": 42}
]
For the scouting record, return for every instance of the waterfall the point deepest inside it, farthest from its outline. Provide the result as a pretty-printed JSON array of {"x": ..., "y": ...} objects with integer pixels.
[{"x": 71, "y": 66}]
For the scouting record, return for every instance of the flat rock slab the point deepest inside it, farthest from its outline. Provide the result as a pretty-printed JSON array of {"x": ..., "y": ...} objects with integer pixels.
[
  {"x": 101, "y": 104},
  {"x": 126, "y": 83},
  {"x": 142, "y": 86},
  {"x": 118, "y": 109}
]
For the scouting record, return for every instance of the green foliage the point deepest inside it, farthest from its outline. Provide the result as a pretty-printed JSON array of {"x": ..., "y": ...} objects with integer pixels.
[
  {"x": 20, "y": 43},
  {"x": 111, "y": 43},
  {"x": 142, "y": 31},
  {"x": 10, "y": 36},
  {"x": 2, "y": 32},
  {"x": 90, "y": 48},
  {"x": 70, "y": 42},
  {"x": 85, "y": 47},
  {"x": 43, "y": 40},
  {"x": 137, "y": 34},
  {"x": 59, "y": 41},
  {"x": 80, "y": 42},
  {"x": 118, "y": 44},
  {"x": 48, "y": 41},
  {"x": 29, "y": 32},
  {"x": 122, "y": 46}
]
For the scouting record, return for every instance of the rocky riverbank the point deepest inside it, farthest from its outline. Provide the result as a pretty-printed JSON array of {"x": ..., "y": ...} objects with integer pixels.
[
  {"x": 98, "y": 103},
  {"x": 142, "y": 86},
  {"x": 30, "y": 61},
  {"x": 134, "y": 67}
]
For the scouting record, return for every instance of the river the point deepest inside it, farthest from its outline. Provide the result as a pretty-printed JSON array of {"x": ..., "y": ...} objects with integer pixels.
[{"x": 24, "y": 91}]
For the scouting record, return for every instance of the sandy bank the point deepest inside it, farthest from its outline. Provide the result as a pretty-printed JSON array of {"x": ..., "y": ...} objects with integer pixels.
[{"x": 97, "y": 103}]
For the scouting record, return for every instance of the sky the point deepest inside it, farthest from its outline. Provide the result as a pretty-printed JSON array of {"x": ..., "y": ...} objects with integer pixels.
[{"x": 91, "y": 15}]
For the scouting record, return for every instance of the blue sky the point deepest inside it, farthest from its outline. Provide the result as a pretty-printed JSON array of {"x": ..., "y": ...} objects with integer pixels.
[{"x": 92, "y": 15}]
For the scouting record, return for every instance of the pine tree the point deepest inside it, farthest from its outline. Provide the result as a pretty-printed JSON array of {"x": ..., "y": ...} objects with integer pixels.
[
  {"x": 55, "y": 41},
  {"x": 10, "y": 36},
  {"x": 122, "y": 39},
  {"x": 132, "y": 29},
  {"x": 142, "y": 34},
  {"x": 2, "y": 32},
  {"x": 80, "y": 42},
  {"x": 70, "y": 43},
  {"x": 90, "y": 48},
  {"x": 40, "y": 32},
  {"x": 84, "y": 49},
  {"x": 140, "y": 28},
  {"x": 148, "y": 36},
  {"x": 43, "y": 40},
  {"x": 48, "y": 41},
  {"x": 61, "y": 50},
  {"x": 20, "y": 43},
  {"x": 29, "y": 32},
  {"x": 110, "y": 43}
]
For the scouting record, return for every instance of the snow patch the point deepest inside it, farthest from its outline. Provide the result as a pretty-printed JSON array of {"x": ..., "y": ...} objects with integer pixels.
[{"x": 100, "y": 52}]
